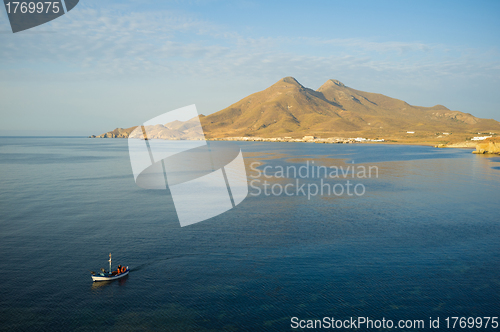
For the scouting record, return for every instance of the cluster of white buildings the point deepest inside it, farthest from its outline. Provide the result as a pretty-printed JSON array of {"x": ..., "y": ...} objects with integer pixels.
[
  {"x": 310, "y": 139},
  {"x": 362, "y": 139},
  {"x": 479, "y": 138}
]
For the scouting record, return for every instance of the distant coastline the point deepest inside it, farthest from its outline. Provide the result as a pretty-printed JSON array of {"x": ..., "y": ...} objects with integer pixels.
[{"x": 489, "y": 145}]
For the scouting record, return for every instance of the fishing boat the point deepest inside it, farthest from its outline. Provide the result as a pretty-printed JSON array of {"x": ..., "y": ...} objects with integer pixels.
[{"x": 104, "y": 275}]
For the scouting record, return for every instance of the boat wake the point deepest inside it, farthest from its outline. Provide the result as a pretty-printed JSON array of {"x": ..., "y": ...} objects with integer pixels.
[{"x": 146, "y": 265}]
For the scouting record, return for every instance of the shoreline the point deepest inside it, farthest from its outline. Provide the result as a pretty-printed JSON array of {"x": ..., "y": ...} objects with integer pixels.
[
  {"x": 476, "y": 147},
  {"x": 463, "y": 145}
]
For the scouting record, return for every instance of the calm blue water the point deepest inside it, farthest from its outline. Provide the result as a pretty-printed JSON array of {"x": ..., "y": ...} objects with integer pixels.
[{"x": 423, "y": 241}]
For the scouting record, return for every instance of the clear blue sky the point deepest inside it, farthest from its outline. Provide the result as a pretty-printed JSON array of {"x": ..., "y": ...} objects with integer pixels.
[{"x": 110, "y": 64}]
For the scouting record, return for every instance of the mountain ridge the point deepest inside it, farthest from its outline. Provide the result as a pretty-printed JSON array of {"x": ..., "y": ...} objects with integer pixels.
[{"x": 289, "y": 109}]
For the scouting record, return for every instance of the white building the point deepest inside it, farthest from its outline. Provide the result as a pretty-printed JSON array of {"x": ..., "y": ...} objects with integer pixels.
[{"x": 479, "y": 138}]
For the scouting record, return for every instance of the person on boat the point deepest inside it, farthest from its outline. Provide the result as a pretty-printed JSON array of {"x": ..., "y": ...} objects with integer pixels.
[{"x": 119, "y": 269}]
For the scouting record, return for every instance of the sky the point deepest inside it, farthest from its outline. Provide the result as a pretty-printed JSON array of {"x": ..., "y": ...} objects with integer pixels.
[{"x": 109, "y": 64}]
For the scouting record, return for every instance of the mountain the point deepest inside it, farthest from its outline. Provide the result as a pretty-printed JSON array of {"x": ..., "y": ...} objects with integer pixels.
[
  {"x": 287, "y": 108},
  {"x": 175, "y": 130},
  {"x": 189, "y": 130}
]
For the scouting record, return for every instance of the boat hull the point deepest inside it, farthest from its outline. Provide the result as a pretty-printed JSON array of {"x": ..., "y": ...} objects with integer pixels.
[{"x": 105, "y": 277}]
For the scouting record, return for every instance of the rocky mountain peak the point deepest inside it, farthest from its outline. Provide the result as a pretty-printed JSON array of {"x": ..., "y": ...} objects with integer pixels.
[
  {"x": 338, "y": 83},
  {"x": 289, "y": 80},
  {"x": 331, "y": 84}
]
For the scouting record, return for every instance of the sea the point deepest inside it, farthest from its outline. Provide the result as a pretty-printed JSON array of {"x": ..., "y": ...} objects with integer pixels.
[{"x": 418, "y": 241}]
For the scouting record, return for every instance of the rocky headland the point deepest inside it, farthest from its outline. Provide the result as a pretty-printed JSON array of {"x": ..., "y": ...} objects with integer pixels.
[{"x": 488, "y": 146}]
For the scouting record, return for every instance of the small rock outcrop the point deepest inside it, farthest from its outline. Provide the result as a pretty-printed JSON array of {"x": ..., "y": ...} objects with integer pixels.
[
  {"x": 489, "y": 145},
  {"x": 117, "y": 133}
]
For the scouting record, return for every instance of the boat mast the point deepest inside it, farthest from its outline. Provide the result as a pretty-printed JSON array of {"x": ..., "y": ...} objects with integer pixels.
[{"x": 109, "y": 262}]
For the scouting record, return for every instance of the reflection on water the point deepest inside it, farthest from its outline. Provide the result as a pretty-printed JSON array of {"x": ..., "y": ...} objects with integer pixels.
[
  {"x": 99, "y": 284},
  {"x": 421, "y": 242}
]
